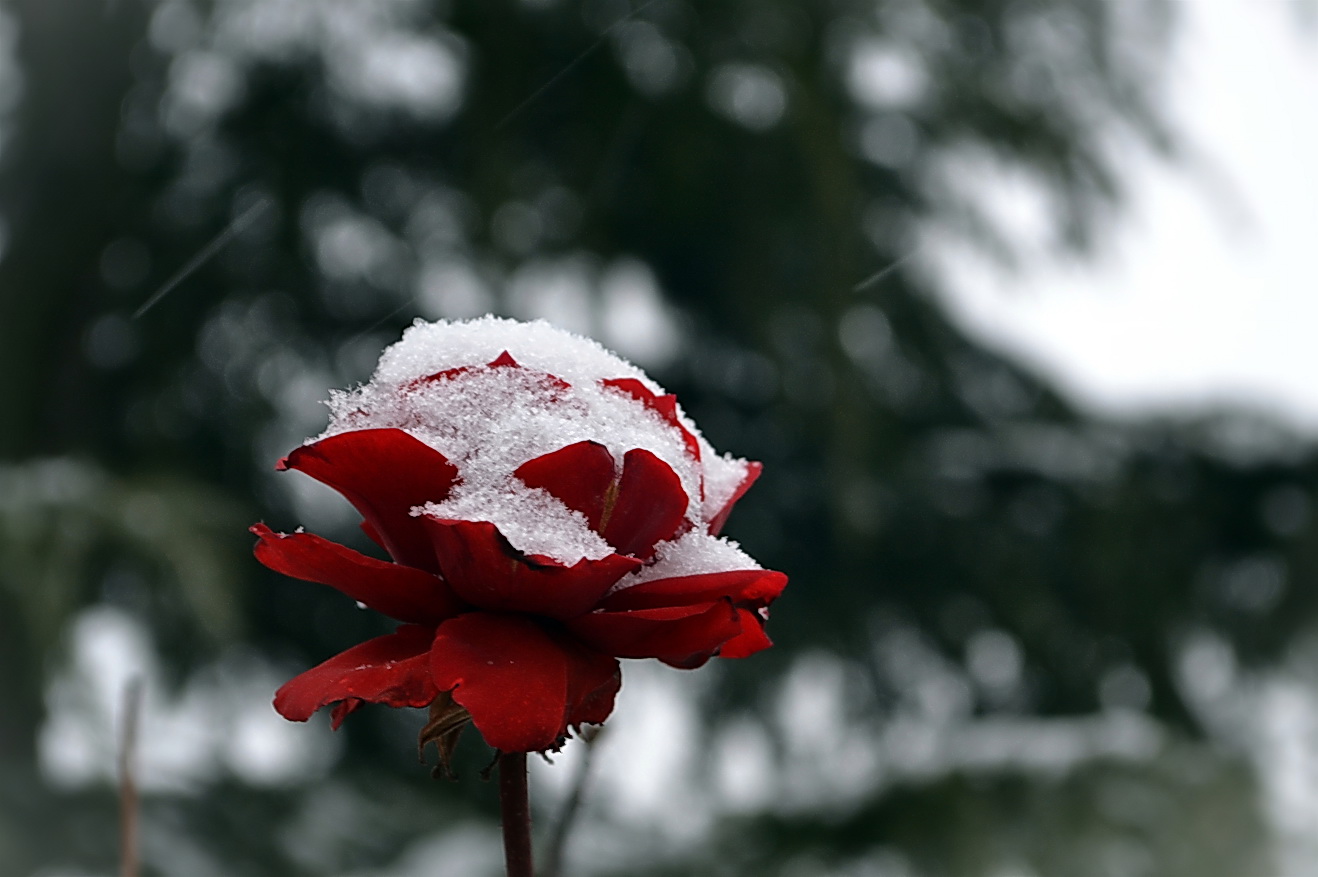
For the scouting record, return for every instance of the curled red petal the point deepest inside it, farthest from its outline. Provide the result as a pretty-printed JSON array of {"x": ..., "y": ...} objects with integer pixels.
[
  {"x": 523, "y": 685},
  {"x": 665, "y": 406},
  {"x": 752, "y": 638},
  {"x": 342, "y": 710},
  {"x": 483, "y": 569},
  {"x": 402, "y": 592},
  {"x": 684, "y": 636},
  {"x": 649, "y": 506},
  {"x": 392, "y": 669},
  {"x": 384, "y": 473},
  {"x": 756, "y": 586},
  {"x": 581, "y": 475},
  {"x": 720, "y": 518}
]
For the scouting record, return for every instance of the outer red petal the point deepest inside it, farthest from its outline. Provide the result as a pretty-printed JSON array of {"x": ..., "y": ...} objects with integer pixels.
[
  {"x": 392, "y": 669},
  {"x": 757, "y": 586},
  {"x": 751, "y": 640},
  {"x": 580, "y": 475},
  {"x": 402, "y": 592},
  {"x": 485, "y": 570},
  {"x": 649, "y": 507},
  {"x": 384, "y": 473},
  {"x": 753, "y": 471},
  {"x": 523, "y": 685},
  {"x": 684, "y": 636}
]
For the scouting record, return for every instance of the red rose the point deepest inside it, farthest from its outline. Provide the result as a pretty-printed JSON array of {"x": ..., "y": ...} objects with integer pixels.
[{"x": 546, "y": 515}]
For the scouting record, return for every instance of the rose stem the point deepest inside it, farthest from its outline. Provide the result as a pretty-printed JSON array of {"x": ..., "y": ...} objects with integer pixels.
[{"x": 514, "y": 805}]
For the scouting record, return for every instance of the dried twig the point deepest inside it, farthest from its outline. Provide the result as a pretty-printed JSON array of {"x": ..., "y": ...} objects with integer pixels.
[
  {"x": 553, "y": 863},
  {"x": 128, "y": 797}
]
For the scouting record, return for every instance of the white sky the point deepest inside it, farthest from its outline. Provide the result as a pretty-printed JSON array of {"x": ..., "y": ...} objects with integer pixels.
[{"x": 1207, "y": 292}]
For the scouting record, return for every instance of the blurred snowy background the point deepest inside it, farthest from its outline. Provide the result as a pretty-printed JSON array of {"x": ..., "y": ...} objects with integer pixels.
[{"x": 1010, "y": 298}]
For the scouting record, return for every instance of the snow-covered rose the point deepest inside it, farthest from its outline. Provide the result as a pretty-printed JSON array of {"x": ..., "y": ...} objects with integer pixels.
[{"x": 548, "y": 510}]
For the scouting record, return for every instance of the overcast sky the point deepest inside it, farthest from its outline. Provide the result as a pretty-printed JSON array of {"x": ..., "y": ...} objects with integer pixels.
[{"x": 1207, "y": 292}]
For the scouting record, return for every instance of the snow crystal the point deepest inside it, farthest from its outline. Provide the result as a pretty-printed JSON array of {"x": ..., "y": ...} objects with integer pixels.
[
  {"x": 427, "y": 348},
  {"x": 723, "y": 475},
  {"x": 530, "y": 518},
  {"x": 490, "y": 421},
  {"x": 693, "y": 553}
]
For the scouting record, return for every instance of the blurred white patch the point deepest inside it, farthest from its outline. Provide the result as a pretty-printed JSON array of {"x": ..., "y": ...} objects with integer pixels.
[
  {"x": 558, "y": 290},
  {"x": 634, "y": 319},
  {"x": 470, "y": 849},
  {"x": 348, "y": 244},
  {"x": 451, "y": 289},
  {"x": 644, "y": 768},
  {"x": 414, "y": 73},
  {"x": 744, "y": 764},
  {"x": 884, "y": 76},
  {"x": 175, "y": 26},
  {"x": 889, "y": 139},
  {"x": 750, "y": 94},
  {"x": 654, "y": 64},
  {"x": 221, "y": 722},
  {"x": 374, "y": 55},
  {"x": 994, "y": 659},
  {"x": 203, "y": 85}
]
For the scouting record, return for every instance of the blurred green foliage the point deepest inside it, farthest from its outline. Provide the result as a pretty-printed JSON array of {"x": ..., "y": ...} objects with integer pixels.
[{"x": 759, "y": 163}]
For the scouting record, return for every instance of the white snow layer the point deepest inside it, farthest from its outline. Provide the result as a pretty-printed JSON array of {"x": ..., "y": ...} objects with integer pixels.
[
  {"x": 693, "y": 553},
  {"x": 489, "y": 421}
]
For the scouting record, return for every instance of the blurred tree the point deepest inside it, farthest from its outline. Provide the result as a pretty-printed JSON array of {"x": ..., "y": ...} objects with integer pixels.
[{"x": 737, "y": 194}]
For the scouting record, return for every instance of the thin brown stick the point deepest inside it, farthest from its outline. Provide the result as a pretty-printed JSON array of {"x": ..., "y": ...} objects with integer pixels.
[
  {"x": 515, "y": 806},
  {"x": 128, "y": 798}
]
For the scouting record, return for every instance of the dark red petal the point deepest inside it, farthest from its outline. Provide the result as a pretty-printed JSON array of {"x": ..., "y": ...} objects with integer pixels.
[
  {"x": 649, "y": 507},
  {"x": 383, "y": 473},
  {"x": 594, "y": 705},
  {"x": 665, "y": 406},
  {"x": 522, "y": 685},
  {"x": 751, "y": 640},
  {"x": 342, "y": 710},
  {"x": 392, "y": 669},
  {"x": 683, "y": 636},
  {"x": 753, "y": 471},
  {"x": 372, "y": 534},
  {"x": 758, "y": 586},
  {"x": 402, "y": 592},
  {"x": 483, "y": 569},
  {"x": 504, "y": 359},
  {"x": 580, "y": 475}
]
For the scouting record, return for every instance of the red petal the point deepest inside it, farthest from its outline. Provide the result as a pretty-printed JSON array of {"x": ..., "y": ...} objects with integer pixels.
[
  {"x": 522, "y": 685},
  {"x": 753, "y": 471},
  {"x": 665, "y": 406},
  {"x": 758, "y": 586},
  {"x": 342, "y": 710},
  {"x": 503, "y": 360},
  {"x": 649, "y": 506},
  {"x": 580, "y": 475},
  {"x": 751, "y": 640},
  {"x": 392, "y": 669},
  {"x": 402, "y": 592},
  {"x": 684, "y": 636},
  {"x": 485, "y": 570},
  {"x": 383, "y": 473}
]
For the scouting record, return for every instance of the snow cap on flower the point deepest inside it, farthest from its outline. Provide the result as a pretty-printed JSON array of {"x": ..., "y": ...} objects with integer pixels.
[
  {"x": 548, "y": 509},
  {"x": 553, "y": 390}
]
